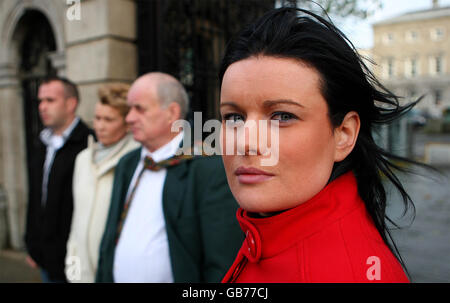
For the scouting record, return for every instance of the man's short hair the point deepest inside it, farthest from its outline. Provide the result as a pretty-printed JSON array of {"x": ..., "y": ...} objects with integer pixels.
[
  {"x": 174, "y": 91},
  {"x": 70, "y": 88}
]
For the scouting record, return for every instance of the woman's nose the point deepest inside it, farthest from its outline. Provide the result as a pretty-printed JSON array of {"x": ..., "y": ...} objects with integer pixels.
[{"x": 247, "y": 138}]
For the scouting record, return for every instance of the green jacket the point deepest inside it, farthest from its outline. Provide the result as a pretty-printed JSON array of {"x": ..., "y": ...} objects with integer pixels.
[{"x": 200, "y": 213}]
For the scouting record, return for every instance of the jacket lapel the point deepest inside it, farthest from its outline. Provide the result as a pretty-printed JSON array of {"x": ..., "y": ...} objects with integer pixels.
[
  {"x": 174, "y": 190},
  {"x": 133, "y": 163},
  {"x": 78, "y": 134}
]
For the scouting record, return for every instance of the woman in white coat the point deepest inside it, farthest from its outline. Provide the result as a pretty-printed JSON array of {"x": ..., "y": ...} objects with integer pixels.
[{"x": 93, "y": 179}]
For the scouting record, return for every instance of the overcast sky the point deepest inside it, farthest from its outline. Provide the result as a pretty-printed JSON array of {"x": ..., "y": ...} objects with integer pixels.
[{"x": 360, "y": 32}]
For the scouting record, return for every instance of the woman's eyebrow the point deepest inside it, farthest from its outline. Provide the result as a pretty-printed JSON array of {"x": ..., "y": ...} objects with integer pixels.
[
  {"x": 267, "y": 103},
  {"x": 229, "y": 103},
  {"x": 270, "y": 103}
]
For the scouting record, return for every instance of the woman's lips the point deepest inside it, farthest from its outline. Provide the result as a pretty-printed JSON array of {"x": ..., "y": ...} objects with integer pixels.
[{"x": 252, "y": 175}]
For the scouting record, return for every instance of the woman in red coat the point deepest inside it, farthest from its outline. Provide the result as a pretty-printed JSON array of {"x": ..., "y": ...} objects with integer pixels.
[{"x": 312, "y": 202}]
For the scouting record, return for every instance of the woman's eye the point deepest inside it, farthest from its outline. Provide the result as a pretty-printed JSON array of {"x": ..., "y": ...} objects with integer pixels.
[
  {"x": 283, "y": 117},
  {"x": 233, "y": 117}
]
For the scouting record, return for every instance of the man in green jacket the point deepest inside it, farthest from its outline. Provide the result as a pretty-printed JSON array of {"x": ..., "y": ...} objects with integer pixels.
[{"x": 172, "y": 218}]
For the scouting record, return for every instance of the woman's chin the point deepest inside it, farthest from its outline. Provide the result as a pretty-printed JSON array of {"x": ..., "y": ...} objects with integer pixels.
[
  {"x": 262, "y": 202},
  {"x": 258, "y": 204}
]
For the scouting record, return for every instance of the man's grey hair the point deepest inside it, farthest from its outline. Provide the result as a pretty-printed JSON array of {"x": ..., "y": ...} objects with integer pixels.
[{"x": 173, "y": 91}]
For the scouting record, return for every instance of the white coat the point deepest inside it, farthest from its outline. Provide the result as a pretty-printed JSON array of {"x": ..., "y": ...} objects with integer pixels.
[{"x": 92, "y": 186}]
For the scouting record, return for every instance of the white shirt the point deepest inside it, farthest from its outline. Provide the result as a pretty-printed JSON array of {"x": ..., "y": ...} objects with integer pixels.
[
  {"x": 142, "y": 254},
  {"x": 53, "y": 143}
]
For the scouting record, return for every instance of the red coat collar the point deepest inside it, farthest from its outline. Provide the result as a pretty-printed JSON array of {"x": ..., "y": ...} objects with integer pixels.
[{"x": 269, "y": 236}]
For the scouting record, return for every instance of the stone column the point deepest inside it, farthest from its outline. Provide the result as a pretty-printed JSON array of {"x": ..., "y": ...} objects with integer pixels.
[
  {"x": 12, "y": 154},
  {"x": 100, "y": 48},
  {"x": 13, "y": 166},
  {"x": 58, "y": 60}
]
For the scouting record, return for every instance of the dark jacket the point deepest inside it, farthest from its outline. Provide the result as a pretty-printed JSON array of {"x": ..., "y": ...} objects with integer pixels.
[
  {"x": 199, "y": 210},
  {"x": 48, "y": 226}
]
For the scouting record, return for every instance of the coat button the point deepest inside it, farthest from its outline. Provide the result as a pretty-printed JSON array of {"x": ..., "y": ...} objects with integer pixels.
[{"x": 250, "y": 243}]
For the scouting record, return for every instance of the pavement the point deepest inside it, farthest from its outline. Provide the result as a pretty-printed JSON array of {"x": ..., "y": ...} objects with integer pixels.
[
  {"x": 424, "y": 244},
  {"x": 14, "y": 269},
  {"x": 421, "y": 140},
  {"x": 424, "y": 241}
]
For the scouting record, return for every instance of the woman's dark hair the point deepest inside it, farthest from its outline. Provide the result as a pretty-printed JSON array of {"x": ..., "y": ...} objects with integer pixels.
[{"x": 347, "y": 85}]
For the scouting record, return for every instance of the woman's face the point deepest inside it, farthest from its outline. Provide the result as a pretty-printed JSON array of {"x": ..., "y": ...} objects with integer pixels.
[
  {"x": 109, "y": 124},
  {"x": 269, "y": 88}
]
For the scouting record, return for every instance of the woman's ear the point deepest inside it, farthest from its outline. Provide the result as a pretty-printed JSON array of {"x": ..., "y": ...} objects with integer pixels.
[{"x": 345, "y": 135}]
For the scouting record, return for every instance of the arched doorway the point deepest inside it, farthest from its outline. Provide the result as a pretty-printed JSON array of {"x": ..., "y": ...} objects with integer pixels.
[
  {"x": 32, "y": 39},
  {"x": 35, "y": 43}
]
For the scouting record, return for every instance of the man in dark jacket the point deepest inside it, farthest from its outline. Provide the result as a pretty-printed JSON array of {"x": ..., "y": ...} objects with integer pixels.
[
  {"x": 170, "y": 219},
  {"x": 50, "y": 200}
]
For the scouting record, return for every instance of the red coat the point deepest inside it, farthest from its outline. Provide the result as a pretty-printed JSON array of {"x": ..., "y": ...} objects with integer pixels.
[{"x": 330, "y": 238}]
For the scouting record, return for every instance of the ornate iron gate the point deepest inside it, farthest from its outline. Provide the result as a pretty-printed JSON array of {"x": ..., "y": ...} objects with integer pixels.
[
  {"x": 37, "y": 42},
  {"x": 187, "y": 38}
]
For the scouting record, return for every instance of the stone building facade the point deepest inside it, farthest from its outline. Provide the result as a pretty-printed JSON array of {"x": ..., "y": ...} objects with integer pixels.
[
  {"x": 412, "y": 52},
  {"x": 93, "y": 42}
]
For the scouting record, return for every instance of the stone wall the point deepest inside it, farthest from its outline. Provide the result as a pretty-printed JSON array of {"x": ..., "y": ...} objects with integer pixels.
[
  {"x": 13, "y": 168},
  {"x": 99, "y": 48}
]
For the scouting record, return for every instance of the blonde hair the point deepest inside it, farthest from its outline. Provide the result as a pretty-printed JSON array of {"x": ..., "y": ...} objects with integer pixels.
[{"x": 115, "y": 95}]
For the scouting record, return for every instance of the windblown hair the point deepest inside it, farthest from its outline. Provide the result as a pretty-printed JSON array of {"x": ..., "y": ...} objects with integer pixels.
[
  {"x": 347, "y": 85},
  {"x": 115, "y": 95}
]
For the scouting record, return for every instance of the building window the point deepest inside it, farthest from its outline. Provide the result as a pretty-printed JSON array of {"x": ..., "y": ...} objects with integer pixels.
[
  {"x": 437, "y": 65},
  {"x": 437, "y": 96},
  {"x": 412, "y": 67},
  {"x": 388, "y": 68},
  {"x": 412, "y": 36},
  {"x": 437, "y": 34},
  {"x": 391, "y": 68},
  {"x": 388, "y": 38}
]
